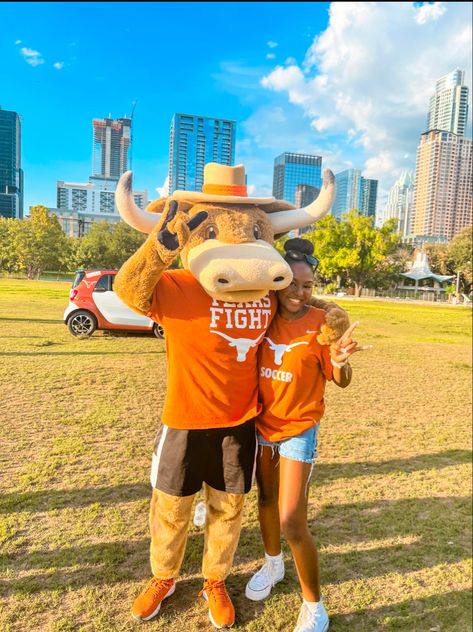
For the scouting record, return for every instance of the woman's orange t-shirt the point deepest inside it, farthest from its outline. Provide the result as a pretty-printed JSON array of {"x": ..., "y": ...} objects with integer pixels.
[
  {"x": 293, "y": 370},
  {"x": 211, "y": 349}
]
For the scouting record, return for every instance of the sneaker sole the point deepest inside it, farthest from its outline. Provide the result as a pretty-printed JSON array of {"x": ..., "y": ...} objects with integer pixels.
[
  {"x": 220, "y": 627},
  {"x": 254, "y": 595},
  {"x": 153, "y": 614}
]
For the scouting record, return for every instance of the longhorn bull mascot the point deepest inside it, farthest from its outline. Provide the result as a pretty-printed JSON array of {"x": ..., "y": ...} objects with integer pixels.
[{"x": 226, "y": 287}]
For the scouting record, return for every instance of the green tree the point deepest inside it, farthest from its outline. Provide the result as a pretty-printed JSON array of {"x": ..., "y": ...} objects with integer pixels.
[
  {"x": 355, "y": 247},
  {"x": 93, "y": 248},
  {"x": 9, "y": 229},
  {"x": 124, "y": 241},
  {"x": 459, "y": 258},
  {"x": 107, "y": 245},
  {"x": 40, "y": 243}
]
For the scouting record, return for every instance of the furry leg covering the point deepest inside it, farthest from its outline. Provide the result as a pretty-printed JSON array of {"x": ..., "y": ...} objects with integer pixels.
[
  {"x": 169, "y": 519},
  {"x": 222, "y": 532}
]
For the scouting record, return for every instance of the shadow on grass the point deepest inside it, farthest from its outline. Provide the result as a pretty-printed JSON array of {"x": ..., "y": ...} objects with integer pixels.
[
  {"x": 446, "y": 611},
  {"x": 437, "y": 527},
  {"x": 45, "y": 500},
  {"x": 49, "y": 499},
  {"x": 324, "y": 472}
]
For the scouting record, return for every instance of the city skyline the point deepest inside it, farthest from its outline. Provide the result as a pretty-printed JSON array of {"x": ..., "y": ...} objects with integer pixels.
[{"x": 290, "y": 86}]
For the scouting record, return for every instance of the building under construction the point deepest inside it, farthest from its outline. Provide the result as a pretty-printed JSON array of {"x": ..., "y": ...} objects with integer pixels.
[{"x": 111, "y": 144}]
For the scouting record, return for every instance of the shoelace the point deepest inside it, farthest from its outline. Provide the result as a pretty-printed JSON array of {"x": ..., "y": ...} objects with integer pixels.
[
  {"x": 156, "y": 586},
  {"x": 216, "y": 589},
  {"x": 306, "y": 616},
  {"x": 264, "y": 576}
]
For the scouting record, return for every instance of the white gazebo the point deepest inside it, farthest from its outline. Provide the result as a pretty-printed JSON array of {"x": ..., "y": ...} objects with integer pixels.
[{"x": 424, "y": 280}]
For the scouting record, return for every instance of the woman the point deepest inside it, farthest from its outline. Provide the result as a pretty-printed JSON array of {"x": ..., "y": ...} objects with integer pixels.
[{"x": 293, "y": 369}]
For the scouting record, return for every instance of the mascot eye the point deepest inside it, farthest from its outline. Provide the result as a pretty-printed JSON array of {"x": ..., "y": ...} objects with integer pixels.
[
  {"x": 257, "y": 232},
  {"x": 211, "y": 232}
]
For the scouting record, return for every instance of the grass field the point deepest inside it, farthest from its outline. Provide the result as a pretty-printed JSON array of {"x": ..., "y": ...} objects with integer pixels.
[{"x": 389, "y": 501}]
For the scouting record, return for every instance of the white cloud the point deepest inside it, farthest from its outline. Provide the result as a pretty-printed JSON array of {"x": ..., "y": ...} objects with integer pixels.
[
  {"x": 32, "y": 57},
  {"x": 270, "y": 56},
  {"x": 367, "y": 78},
  {"x": 164, "y": 189},
  {"x": 430, "y": 11},
  {"x": 272, "y": 44},
  {"x": 59, "y": 65},
  {"x": 18, "y": 42}
]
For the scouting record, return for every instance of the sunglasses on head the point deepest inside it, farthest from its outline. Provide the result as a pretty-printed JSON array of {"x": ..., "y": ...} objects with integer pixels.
[{"x": 295, "y": 255}]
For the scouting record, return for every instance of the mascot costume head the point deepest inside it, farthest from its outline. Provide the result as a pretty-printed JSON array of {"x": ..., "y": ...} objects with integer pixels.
[{"x": 231, "y": 251}]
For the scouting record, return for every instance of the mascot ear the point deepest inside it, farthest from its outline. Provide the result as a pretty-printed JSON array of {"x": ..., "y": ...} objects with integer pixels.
[
  {"x": 276, "y": 206},
  {"x": 157, "y": 206}
]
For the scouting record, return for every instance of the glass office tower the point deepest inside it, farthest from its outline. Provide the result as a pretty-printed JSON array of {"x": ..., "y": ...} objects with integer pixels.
[
  {"x": 297, "y": 178},
  {"x": 11, "y": 174},
  {"x": 195, "y": 141}
]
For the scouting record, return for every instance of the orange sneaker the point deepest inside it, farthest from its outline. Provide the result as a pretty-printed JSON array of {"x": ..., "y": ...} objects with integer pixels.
[
  {"x": 148, "y": 603},
  {"x": 221, "y": 610}
]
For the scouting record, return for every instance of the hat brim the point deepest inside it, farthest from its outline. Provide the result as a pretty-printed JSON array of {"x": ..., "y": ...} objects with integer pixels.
[{"x": 195, "y": 196}]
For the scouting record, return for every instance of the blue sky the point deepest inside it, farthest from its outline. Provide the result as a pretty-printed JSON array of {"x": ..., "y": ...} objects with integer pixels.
[{"x": 349, "y": 81}]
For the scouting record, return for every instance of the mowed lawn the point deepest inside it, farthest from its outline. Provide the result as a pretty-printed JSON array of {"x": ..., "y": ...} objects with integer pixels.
[{"x": 389, "y": 500}]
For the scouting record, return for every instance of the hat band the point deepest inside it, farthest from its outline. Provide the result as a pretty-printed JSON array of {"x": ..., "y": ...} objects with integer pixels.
[{"x": 225, "y": 189}]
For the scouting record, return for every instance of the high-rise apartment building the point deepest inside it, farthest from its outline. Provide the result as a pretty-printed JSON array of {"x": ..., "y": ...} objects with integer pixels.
[
  {"x": 11, "y": 174},
  {"x": 449, "y": 105},
  {"x": 400, "y": 203},
  {"x": 443, "y": 192},
  {"x": 111, "y": 143},
  {"x": 353, "y": 191},
  {"x": 195, "y": 141},
  {"x": 297, "y": 178}
]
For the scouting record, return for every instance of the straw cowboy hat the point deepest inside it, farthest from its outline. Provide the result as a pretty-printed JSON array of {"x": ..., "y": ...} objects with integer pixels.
[{"x": 222, "y": 184}]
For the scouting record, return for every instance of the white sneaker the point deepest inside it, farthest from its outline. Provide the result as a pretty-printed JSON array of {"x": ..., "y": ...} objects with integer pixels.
[
  {"x": 316, "y": 621},
  {"x": 262, "y": 582}
]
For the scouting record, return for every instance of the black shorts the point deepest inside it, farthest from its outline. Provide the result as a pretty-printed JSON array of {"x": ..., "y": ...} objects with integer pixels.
[{"x": 223, "y": 458}]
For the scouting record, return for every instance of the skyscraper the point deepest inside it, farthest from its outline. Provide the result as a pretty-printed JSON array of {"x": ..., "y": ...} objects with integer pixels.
[
  {"x": 354, "y": 192},
  {"x": 11, "y": 174},
  {"x": 297, "y": 178},
  {"x": 400, "y": 203},
  {"x": 111, "y": 142},
  {"x": 195, "y": 141},
  {"x": 449, "y": 105},
  {"x": 443, "y": 192},
  {"x": 368, "y": 197}
]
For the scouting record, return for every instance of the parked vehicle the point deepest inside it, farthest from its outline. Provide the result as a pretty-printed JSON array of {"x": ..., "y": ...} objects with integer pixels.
[{"x": 94, "y": 305}]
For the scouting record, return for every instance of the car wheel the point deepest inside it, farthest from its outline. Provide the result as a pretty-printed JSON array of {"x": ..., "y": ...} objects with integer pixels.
[
  {"x": 158, "y": 331},
  {"x": 82, "y": 324}
]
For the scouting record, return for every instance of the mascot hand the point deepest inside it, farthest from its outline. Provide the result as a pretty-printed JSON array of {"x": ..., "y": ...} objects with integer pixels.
[
  {"x": 336, "y": 323},
  {"x": 175, "y": 230}
]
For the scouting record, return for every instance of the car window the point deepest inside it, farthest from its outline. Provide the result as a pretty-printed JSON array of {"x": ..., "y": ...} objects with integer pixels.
[
  {"x": 78, "y": 278},
  {"x": 103, "y": 283}
]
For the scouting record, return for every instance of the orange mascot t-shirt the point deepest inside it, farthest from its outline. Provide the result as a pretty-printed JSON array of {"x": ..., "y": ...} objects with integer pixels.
[
  {"x": 293, "y": 370},
  {"x": 211, "y": 349}
]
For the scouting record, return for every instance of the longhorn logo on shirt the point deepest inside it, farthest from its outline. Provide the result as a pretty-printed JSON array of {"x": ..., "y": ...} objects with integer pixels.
[
  {"x": 243, "y": 345},
  {"x": 281, "y": 349}
]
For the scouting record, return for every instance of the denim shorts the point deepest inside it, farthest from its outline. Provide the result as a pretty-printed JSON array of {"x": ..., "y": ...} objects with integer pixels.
[{"x": 302, "y": 447}]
